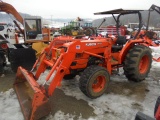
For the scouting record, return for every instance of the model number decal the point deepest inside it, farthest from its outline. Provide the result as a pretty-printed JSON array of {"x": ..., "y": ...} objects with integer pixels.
[
  {"x": 78, "y": 47},
  {"x": 91, "y": 44}
]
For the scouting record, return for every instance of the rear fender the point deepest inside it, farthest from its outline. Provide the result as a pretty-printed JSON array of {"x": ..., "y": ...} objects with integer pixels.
[{"x": 129, "y": 44}]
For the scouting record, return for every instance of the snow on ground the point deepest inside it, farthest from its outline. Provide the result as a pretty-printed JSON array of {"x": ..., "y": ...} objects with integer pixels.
[
  {"x": 9, "y": 106},
  {"x": 156, "y": 51},
  {"x": 109, "y": 106},
  {"x": 118, "y": 107}
]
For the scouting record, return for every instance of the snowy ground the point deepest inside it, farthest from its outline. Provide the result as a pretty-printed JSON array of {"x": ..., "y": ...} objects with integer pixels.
[{"x": 121, "y": 102}]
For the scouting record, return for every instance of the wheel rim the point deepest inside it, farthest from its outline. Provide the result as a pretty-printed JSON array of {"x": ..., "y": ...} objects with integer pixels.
[
  {"x": 143, "y": 65},
  {"x": 98, "y": 84}
]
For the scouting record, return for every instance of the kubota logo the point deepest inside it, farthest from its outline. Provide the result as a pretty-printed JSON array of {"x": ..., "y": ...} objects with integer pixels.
[{"x": 90, "y": 44}]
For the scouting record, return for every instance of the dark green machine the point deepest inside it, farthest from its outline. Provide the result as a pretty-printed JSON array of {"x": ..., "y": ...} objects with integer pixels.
[{"x": 73, "y": 28}]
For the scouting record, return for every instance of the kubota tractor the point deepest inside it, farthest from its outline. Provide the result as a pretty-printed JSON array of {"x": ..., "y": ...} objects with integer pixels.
[{"x": 93, "y": 60}]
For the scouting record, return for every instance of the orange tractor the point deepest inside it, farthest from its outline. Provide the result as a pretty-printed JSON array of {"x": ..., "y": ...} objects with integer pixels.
[{"x": 94, "y": 60}]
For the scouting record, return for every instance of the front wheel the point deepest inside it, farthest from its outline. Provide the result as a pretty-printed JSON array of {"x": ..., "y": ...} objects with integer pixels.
[
  {"x": 94, "y": 81},
  {"x": 89, "y": 32},
  {"x": 137, "y": 63},
  {"x": 69, "y": 76}
]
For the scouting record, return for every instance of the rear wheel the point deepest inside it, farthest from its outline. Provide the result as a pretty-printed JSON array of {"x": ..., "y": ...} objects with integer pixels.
[
  {"x": 89, "y": 32},
  {"x": 2, "y": 62},
  {"x": 68, "y": 32},
  {"x": 2, "y": 58},
  {"x": 137, "y": 63},
  {"x": 94, "y": 81}
]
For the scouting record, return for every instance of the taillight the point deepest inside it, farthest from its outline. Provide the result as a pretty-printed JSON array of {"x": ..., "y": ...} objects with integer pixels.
[{"x": 4, "y": 46}]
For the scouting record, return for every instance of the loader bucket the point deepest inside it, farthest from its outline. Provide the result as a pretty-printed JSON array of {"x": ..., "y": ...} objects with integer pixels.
[
  {"x": 39, "y": 46},
  {"x": 32, "y": 97}
]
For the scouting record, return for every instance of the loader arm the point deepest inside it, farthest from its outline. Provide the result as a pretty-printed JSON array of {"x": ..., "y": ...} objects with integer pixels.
[
  {"x": 9, "y": 9},
  {"x": 5, "y": 7},
  {"x": 33, "y": 98}
]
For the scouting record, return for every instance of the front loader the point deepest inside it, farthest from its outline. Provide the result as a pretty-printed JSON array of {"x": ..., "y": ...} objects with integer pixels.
[{"x": 93, "y": 60}]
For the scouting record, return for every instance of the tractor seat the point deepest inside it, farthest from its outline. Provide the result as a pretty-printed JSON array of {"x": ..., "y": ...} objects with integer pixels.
[{"x": 121, "y": 40}]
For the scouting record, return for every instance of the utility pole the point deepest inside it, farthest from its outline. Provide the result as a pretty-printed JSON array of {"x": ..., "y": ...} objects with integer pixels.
[{"x": 51, "y": 19}]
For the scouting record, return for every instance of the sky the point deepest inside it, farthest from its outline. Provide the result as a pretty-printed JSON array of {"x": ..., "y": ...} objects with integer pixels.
[{"x": 73, "y": 8}]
